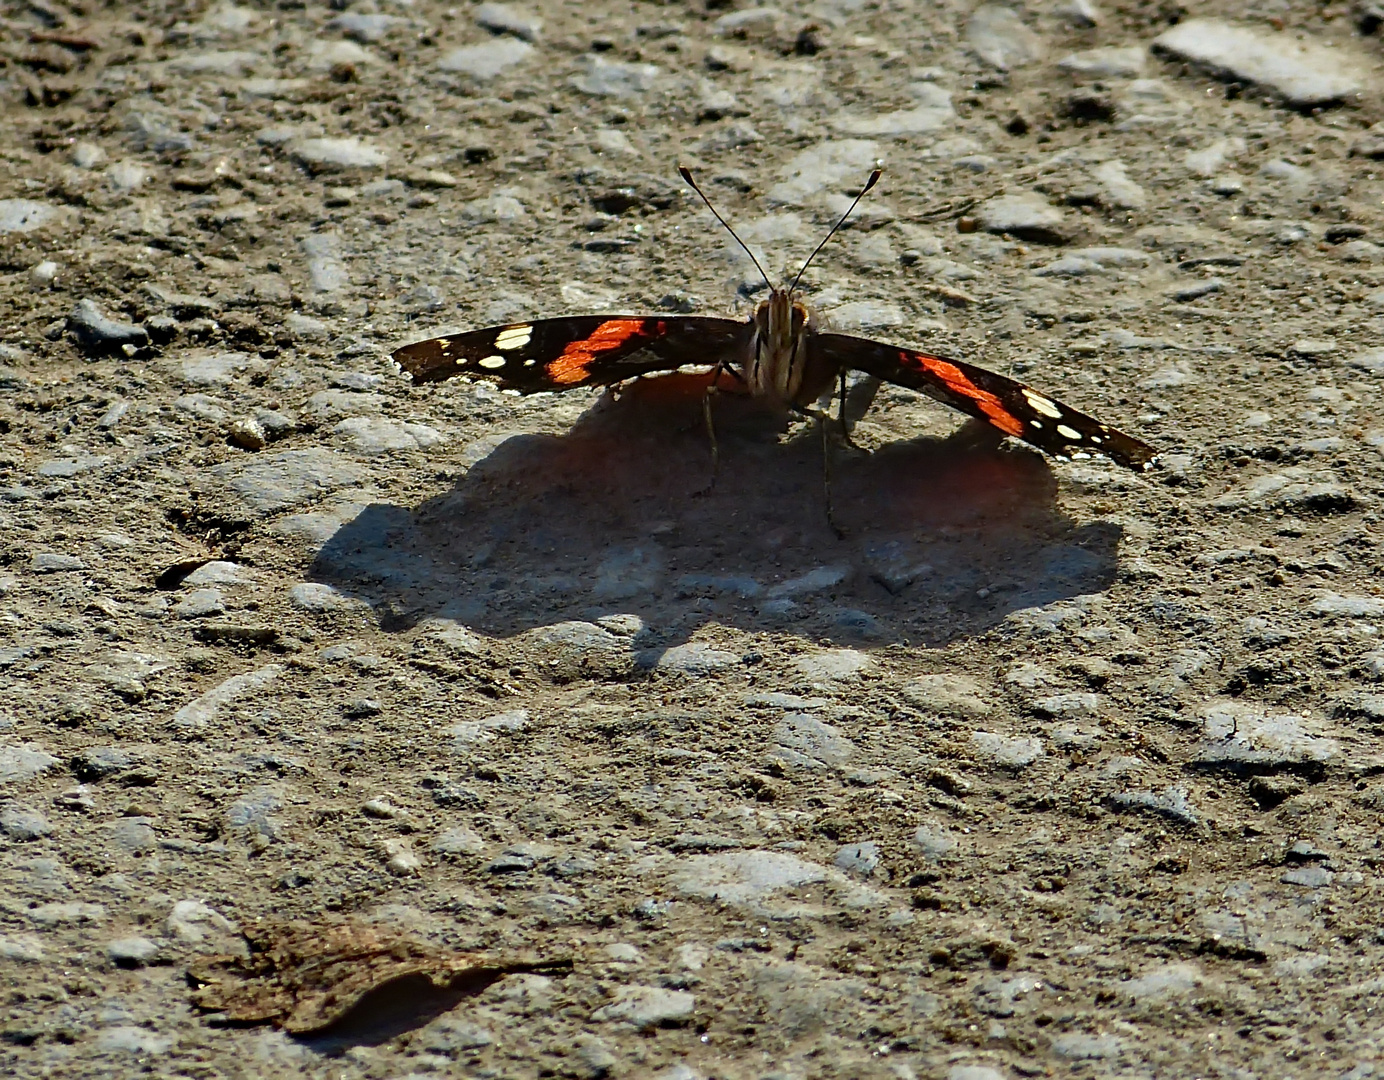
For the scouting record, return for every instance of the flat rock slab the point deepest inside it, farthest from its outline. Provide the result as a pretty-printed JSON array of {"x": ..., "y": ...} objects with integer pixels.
[
  {"x": 269, "y": 485},
  {"x": 1303, "y": 74},
  {"x": 1027, "y": 216}
]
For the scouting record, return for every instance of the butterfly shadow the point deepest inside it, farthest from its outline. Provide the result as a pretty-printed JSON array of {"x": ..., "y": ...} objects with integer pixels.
[{"x": 943, "y": 538}]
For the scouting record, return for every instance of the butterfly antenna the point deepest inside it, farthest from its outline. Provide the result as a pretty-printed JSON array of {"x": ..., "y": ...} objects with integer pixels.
[
  {"x": 686, "y": 174},
  {"x": 874, "y": 179}
]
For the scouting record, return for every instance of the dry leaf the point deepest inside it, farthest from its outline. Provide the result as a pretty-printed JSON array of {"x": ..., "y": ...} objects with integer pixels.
[{"x": 306, "y": 977}]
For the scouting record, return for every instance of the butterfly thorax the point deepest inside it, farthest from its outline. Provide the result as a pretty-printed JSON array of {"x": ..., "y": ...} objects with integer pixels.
[{"x": 781, "y": 366}]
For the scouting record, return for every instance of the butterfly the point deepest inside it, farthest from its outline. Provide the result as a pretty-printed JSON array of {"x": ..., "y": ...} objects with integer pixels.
[{"x": 780, "y": 355}]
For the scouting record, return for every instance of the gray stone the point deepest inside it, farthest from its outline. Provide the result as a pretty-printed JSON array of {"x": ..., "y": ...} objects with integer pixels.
[
  {"x": 1068, "y": 706},
  {"x": 1347, "y": 606},
  {"x": 592, "y": 1059},
  {"x": 200, "y": 603},
  {"x": 832, "y": 665},
  {"x": 305, "y": 327},
  {"x": 53, "y": 562},
  {"x": 134, "y": 835},
  {"x": 485, "y": 61},
  {"x": 1302, "y": 73},
  {"x": 1027, "y": 216},
  {"x": 363, "y": 27},
  {"x": 315, "y": 597},
  {"x": 1171, "y": 803},
  {"x": 975, "y": 1072},
  {"x": 934, "y": 112},
  {"x": 695, "y": 658},
  {"x": 21, "y": 763},
  {"x": 126, "y": 175},
  {"x": 1245, "y": 737},
  {"x": 936, "y": 842},
  {"x": 214, "y": 369},
  {"x": 804, "y": 740},
  {"x": 67, "y": 913},
  {"x": 1368, "y": 360},
  {"x": 1077, "y": 1046},
  {"x": 627, "y": 572},
  {"x": 859, "y": 860},
  {"x": 454, "y": 1035},
  {"x": 948, "y": 695},
  {"x": 1195, "y": 291},
  {"x": 1119, "y": 192},
  {"x": 1009, "y": 752},
  {"x": 67, "y": 467},
  {"x": 339, "y": 155},
  {"x": 205, "y": 709},
  {"x": 647, "y": 1007},
  {"x": 454, "y": 842},
  {"x": 326, "y": 270},
  {"x": 581, "y": 637},
  {"x": 23, "y": 823},
  {"x": 131, "y": 952},
  {"x": 613, "y": 78},
  {"x": 193, "y": 921},
  {"x": 824, "y": 166},
  {"x": 255, "y": 813},
  {"x": 504, "y": 19},
  {"x": 25, "y": 215},
  {"x": 136, "y": 1041},
  {"x": 1110, "y": 62},
  {"x": 22, "y": 948},
  {"x": 815, "y": 580},
  {"x": 96, "y": 333},
  {"x": 469, "y": 732},
  {"x": 998, "y": 36},
  {"x": 268, "y": 485},
  {"x": 496, "y": 208},
  {"x": 1309, "y": 877},
  {"x": 376, "y": 435},
  {"x": 203, "y": 406},
  {"x": 1170, "y": 980}
]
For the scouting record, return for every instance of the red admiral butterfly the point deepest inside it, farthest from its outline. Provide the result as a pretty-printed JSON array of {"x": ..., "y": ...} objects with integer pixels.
[{"x": 779, "y": 355}]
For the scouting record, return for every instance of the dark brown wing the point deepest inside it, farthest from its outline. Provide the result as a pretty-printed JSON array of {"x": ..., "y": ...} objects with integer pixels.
[
  {"x": 1014, "y": 408},
  {"x": 584, "y": 350}
]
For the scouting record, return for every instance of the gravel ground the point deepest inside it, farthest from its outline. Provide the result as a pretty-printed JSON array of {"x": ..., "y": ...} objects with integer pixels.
[{"x": 1045, "y": 768}]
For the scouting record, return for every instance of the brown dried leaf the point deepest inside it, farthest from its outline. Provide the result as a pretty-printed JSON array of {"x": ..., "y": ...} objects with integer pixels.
[{"x": 305, "y": 977}]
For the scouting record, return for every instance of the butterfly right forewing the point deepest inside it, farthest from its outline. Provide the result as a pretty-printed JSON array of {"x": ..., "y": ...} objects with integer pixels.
[{"x": 579, "y": 350}]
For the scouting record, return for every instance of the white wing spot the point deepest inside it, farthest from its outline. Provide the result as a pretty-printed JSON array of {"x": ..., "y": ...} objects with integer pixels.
[
  {"x": 530, "y": 362},
  {"x": 492, "y": 362},
  {"x": 1095, "y": 439},
  {"x": 1036, "y": 423},
  {"x": 1042, "y": 405},
  {"x": 1069, "y": 433},
  {"x": 515, "y": 337}
]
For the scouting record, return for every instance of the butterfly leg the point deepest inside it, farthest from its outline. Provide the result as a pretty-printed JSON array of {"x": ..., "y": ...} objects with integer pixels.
[
  {"x": 823, "y": 425},
  {"x": 712, "y": 388}
]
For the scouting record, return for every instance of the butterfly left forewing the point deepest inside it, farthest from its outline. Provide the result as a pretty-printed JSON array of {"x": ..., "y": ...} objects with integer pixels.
[
  {"x": 1009, "y": 405},
  {"x": 580, "y": 350}
]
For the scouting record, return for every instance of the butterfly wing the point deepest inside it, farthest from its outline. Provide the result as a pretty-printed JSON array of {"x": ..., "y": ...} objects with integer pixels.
[
  {"x": 584, "y": 350},
  {"x": 1014, "y": 408}
]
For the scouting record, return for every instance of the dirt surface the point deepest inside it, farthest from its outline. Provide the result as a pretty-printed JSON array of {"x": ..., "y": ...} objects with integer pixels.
[{"x": 1044, "y": 768}]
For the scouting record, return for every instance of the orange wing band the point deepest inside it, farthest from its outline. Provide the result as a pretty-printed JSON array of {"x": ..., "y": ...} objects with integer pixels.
[
  {"x": 956, "y": 381},
  {"x": 571, "y": 366}
]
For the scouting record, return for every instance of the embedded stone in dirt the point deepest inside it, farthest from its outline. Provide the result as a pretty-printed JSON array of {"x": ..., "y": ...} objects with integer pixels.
[
  {"x": 485, "y": 61},
  {"x": 647, "y": 1007},
  {"x": 268, "y": 485},
  {"x": 947, "y": 695},
  {"x": 1027, "y": 216},
  {"x": 95, "y": 332},
  {"x": 1302, "y": 73}
]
